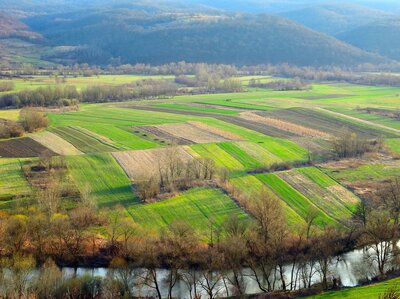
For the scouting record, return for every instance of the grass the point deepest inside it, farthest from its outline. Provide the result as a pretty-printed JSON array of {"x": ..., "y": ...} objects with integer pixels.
[
  {"x": 200, "y": 109},
  {"x": 101, "y": 174},
  {"x": 394, "y": 145},
  {"x": 12, "y": 181},
  {"x": 250, "y": 186},
  {"x": 248, "y": 161},
  {"x": 365, "y": 292},
  {"x": 294, "y": 199},
  {"x": 221, "y": 158},
  {"x": 79, "y": 82},
  {"x": 198, "y": 207},
  {"x": 82, "y": 140},
  {"x": 369, "y": 172},
  {"x": 122, "y": 137}
]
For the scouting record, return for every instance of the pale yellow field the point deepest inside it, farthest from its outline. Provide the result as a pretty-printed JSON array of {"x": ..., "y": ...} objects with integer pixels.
[
  {"x": 143, "y": 164},
  {"x": 55, "y": 143},
  {"x": 12, "y": 114}
]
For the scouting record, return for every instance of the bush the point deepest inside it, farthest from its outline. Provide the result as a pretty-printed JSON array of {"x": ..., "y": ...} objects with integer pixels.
[
  {"x": 10, "y": 129},
  {"x": 33, "y": 120},
  {"x": 6, "y": 86}
]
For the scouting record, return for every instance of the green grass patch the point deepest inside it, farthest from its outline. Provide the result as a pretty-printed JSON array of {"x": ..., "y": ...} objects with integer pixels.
[
  {"x": 122, "y": 137},
  {"x": 221, "y": 158},
  {"x": 12, "y": 180},
  {"x": 248, "y": 161},
  {"x": 101, "y": 174},
  {"x": 200, "y": 109},
  {"x": 198, "y": 207},
  {"x": 394, "y": 145},
  {"x": 370, "y": 172},
  {"x": 373, "y": 291}
]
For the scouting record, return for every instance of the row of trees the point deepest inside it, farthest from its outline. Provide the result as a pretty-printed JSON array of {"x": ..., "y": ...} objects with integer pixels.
[
  {"x": 64, "y": 96},
  {"x": 281, "y": 85},
  {"x": 348, "y": 144}
]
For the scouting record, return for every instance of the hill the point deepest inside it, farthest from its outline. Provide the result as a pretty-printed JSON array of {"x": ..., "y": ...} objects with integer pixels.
[
  {"x": 381, "y": 37},
  {"x": 18, "y": 44},
  {"x": 336, "y": 18},
  {"x": 137, "y": 36}
]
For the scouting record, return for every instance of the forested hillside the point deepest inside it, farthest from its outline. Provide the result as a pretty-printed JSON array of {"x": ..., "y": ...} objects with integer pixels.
[
  {"x": 380, "y": 37},
  {"x": 132, "y": 36},
  {"x": 335, "y": 18}
]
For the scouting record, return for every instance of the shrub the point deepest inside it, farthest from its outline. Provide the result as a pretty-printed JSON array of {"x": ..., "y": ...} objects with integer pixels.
[{"x": 33, "y": 120}]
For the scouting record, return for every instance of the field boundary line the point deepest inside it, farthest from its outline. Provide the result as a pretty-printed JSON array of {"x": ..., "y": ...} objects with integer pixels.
[{"x": 359, "y": 120}]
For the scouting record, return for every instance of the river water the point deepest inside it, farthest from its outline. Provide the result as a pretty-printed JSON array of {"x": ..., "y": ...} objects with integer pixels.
[{"x": 349, "y": 268}]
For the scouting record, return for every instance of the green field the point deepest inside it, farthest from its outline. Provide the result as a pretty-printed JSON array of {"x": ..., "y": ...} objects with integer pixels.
[
  {"x": 12, "y": 181},
  {"x": 199, "y": 207},
  {"x": 295, "y": 199},
  {"x": 365, "y": 292},
  {"x": 83, "y": 140},
  {"x": 102, "y": 176}
]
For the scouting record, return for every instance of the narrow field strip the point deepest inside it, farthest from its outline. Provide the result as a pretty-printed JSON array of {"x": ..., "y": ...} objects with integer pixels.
[
  {"x": 320, "y": 197},
  {"x": 196, "y": 108},
  {"x": 360, "y": 120},
  {"x": 264, "y": 157},
  {"x": 193, "y": 133},
  {"x": 294, "y": 199},
  {"x": 198, "y": 207},
  {"x": 55, "y": 143},
  {"x": 221, "y": 158},
  {"x": 349, "y": 199},
  {"x": 83, "y": 141},
  {"x": 250, "y": 186},
  {"x": 248, "y": 161},
  {"x": 122, "y": 137},
  {"x": 103, "y": 177},
  {"x": 326, "y": 122},
  {"x": 284, "y": 125},
  {"x": 143, "y": 164}
]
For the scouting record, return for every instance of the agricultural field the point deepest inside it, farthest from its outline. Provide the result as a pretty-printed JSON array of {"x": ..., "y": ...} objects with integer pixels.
[
  {"x": 12, "y": 182},
  {"x": 103, "y": 178},
  {"x": 109, "y": 147},
  {"x": 143, "y": 164},
  {"x": 24, "y": 147},
  {"x": 372, "y": 291},
  {"x": 201, "y": 208}
]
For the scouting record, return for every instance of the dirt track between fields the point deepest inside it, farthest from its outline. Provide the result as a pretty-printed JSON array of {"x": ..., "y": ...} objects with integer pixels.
[{"x": 360, "y": 120}]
